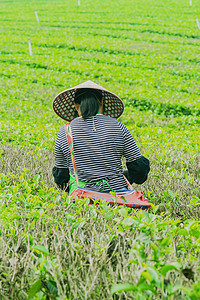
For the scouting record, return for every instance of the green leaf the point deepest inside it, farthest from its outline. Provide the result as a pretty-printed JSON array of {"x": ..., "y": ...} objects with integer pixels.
[
  {"x": 41, "y": 249},
  {"x": 108, "y": 215},
  {"x": 166, "y": 269},
  {"x": 128, "y": 221},
  {"x": 171, "y": 290},
  {"x": 123, "y": 212},
  {"x": 52, "y": 287},
  {"x": 155, "y": 251},
  {"x": 155, "y": 276},
  {"x": 145, "y": 287},
  {"x": 176, "y": 288},
  {"x": 153, "y": 207},
  {"x": 172, "y": 266},
  {"x": 76, "y": 225},
  {"x": 123, "y": 287},
  {"x": 70, "y": 218},
  {"x": 140, "y": 296},
  {"x": 195, "y": 232},
  {"x": 187, "y": 290},
  {"x": 183, "y": 232},
  {"x": 143, "y": 238},
  {"x": 172, "y": 195},
  {"x": 35, "y": 288},
  {"x": 165, "y": 242},
  {"x": 146, "y": 275},
  {"x": 195, "y": 201}
]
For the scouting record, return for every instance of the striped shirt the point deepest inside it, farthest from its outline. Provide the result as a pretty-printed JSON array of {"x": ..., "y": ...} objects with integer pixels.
[{"x": 97, "y": 153}]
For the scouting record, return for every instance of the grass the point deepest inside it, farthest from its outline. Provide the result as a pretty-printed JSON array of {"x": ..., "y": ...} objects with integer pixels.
[{"x": 147, "y": 52}]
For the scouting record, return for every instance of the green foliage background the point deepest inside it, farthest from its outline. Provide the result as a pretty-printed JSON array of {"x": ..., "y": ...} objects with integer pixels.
[{"x": 148, "y": 53}]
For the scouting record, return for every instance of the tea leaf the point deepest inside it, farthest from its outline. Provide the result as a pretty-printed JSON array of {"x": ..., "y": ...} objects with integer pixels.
[
  {"x": 52, "y": 287},
  {"x": 35, "y": 288},
  {"x": 41, "y": 249},
  {"x": 123, "y": 287},
  {"x": 167, "y": 268}
]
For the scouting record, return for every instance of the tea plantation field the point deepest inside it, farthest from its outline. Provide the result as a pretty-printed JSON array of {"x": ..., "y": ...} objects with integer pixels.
[{"x": 148, "y": 53}]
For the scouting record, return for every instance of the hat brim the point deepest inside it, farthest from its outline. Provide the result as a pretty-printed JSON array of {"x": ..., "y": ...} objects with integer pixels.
[{"x": 63, "y": 103}]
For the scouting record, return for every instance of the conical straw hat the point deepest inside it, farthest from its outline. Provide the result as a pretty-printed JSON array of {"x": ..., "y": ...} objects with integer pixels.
[{"x": 63, "y": 103}]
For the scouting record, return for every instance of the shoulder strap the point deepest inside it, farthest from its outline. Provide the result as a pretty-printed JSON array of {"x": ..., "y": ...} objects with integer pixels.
[{"x": 68, "y": 133}]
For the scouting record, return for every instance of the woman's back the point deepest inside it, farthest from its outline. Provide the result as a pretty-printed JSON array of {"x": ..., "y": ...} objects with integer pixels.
[{"x": 99, "y": 144}]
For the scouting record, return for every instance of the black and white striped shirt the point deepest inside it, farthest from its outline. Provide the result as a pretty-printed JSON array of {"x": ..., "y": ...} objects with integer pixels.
[{"x": 97, "y": 153}]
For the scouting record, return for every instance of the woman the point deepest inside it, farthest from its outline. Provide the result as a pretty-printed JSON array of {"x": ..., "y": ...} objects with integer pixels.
[{"x": 100, "y": 142}]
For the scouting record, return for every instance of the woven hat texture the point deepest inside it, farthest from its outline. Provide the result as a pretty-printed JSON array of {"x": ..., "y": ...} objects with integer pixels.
[{"x": 63, "y": 103}]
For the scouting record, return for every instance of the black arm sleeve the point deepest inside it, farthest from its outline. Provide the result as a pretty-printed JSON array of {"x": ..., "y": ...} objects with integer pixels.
[
  {"x": 137, "y": 170},
  {"x": 61, "y": 177}
]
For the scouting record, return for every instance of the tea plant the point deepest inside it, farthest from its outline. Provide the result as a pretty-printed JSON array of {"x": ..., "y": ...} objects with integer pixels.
[{"x": 148, "y": 53}]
